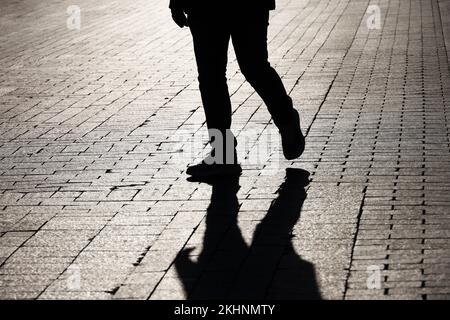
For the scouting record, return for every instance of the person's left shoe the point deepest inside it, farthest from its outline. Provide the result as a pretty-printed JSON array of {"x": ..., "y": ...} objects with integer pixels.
[{"x": 292, "y": 138}]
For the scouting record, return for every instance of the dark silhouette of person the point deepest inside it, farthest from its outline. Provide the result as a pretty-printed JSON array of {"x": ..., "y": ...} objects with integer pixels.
[
  {"x": 245, "y": 22},
  {"x": 228, "y": 268}
]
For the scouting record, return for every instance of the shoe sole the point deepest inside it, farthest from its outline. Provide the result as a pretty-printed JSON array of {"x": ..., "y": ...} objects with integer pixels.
[
  {"x": 301, "y": 146},
  {"x": 297, "y": 153},
  {"x": 221, "y": 173},
  {"x": 294, "y": 155}
]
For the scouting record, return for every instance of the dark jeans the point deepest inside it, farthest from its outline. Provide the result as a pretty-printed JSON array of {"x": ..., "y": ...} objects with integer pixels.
[{"x": 248, "y": 32}]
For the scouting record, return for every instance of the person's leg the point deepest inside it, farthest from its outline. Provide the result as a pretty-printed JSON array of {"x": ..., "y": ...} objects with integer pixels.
[
  {"x": 211, "y": 40},
  {"x": 249, "y": 36}
]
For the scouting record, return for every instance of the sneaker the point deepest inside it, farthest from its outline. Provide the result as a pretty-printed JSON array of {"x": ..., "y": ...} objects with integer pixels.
[{"x": 292, "y": 138}]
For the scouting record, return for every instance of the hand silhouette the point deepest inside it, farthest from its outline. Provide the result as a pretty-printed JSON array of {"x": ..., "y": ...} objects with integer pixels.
[{"x": 179, "y": 17}]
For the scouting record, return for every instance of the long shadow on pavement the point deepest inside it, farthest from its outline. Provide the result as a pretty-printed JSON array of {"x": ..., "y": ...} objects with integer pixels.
[{"x": 228, "y": 268}]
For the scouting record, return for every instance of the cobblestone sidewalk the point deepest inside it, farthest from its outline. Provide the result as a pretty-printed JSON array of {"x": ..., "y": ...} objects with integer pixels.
[{"x": 95, "y": 125}]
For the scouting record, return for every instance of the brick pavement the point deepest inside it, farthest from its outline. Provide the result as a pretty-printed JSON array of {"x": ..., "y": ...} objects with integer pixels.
[{"x": 96, "y": 124}]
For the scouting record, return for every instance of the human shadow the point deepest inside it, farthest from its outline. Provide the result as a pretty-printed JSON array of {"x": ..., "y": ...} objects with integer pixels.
[{"x": 269, "y": 268}]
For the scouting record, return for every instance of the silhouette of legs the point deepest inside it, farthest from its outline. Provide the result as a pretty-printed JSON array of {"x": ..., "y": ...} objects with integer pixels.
[
  {"x": 247, "y": 27},
  {"x": 273, "y": 269},
  {"x": 269, "y": 268},
  {"x": 249, "y": 37},
  {"x": 211, "y": 39},
  {"x": 296, "y": 277},
  {"x": 221, "y": 235}
]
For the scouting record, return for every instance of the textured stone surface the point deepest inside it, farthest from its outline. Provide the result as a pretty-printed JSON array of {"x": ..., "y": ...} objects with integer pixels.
[{"x": 95, "y": 125}]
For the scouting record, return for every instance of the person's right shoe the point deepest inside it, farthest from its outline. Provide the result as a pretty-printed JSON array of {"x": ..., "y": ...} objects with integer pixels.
[
  {"x": 292, "y": 139},
  {"x": 226, "y": 163},
  {"x": 208, "y": 169},
  {"x": 204, "y": 170}
]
